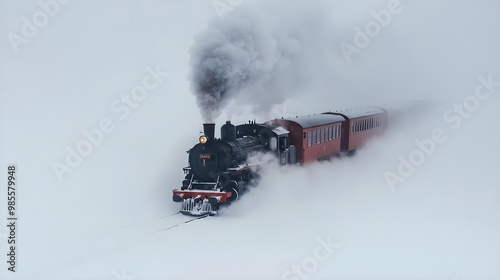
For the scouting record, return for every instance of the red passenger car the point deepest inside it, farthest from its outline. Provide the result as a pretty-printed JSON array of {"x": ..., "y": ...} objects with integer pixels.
[
  {"x": 360, "y": 125},
  {"x": 315, "y": 137},
  {"x": 319, "y": 137}
]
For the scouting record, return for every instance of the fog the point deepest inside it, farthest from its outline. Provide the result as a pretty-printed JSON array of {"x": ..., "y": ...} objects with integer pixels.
[{"x": 124, "y": 71}]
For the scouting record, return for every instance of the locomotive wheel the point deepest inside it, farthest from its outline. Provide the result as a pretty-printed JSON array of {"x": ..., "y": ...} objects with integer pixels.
[
  {"x": 233, "y": 187},
  {"x": 234, "y": 194}
]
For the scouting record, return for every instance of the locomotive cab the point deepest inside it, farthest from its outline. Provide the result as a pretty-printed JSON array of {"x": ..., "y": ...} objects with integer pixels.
[{"x": 280, "y": 145}]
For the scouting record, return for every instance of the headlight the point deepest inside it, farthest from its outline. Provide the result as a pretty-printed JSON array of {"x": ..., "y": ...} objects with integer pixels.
[{"x": 203, "y": 139}]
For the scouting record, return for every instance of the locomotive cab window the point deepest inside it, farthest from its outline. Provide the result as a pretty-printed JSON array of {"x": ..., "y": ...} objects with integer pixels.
[{"x": 273, "y": 144}]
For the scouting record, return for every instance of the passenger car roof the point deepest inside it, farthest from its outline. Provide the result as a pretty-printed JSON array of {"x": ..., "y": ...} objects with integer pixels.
[
  {"x": 358, "y": 112},
  {"x": 312, "y": 120}
]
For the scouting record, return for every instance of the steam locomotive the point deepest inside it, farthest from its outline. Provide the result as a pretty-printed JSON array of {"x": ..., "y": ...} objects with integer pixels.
[{"x": 219, "y": 171}]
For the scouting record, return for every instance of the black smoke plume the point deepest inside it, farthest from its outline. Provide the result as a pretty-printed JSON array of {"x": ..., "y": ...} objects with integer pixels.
[{"x": 223, "y": 60}]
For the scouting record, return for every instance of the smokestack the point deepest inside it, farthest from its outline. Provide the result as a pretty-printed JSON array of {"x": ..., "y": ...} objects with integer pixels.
[{"x": 209, "y": 130}]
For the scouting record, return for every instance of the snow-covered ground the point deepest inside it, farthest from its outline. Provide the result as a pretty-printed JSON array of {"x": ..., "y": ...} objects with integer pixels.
[{"x": 100, "y": 216}]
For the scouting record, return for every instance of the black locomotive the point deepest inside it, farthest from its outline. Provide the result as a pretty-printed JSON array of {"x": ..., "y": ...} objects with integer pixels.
[{"x": 218, "y": 170}]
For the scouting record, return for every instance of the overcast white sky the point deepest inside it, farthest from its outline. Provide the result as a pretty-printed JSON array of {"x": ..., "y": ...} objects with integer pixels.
[{"x": 76, "y": 74}]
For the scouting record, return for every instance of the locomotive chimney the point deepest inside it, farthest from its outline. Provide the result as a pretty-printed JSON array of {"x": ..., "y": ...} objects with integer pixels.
[{"x": 209, "y": 130}]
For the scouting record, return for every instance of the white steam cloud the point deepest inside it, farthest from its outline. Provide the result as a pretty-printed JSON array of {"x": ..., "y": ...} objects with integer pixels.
[
  {"x": 257, "y": 58},
  {"x": 271, "y": 53}
]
